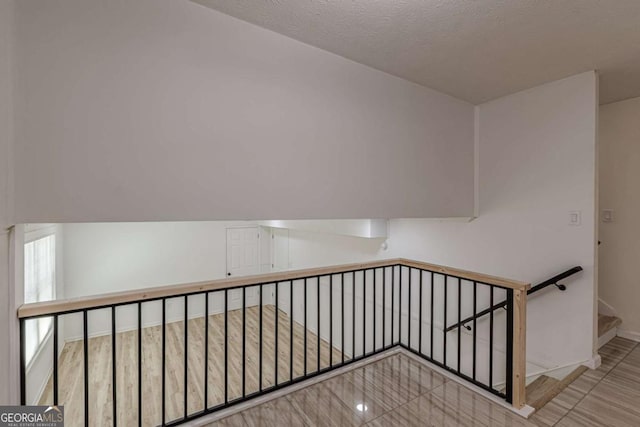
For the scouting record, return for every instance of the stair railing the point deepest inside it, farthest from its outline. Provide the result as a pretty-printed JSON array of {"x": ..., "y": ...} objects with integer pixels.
[
  {"x": 540, "y": 286},
  {"x": 218, "y": 343}
]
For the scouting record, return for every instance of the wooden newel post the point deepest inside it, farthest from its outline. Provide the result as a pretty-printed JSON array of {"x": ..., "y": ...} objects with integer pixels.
[{"x": 519, "y": 347}]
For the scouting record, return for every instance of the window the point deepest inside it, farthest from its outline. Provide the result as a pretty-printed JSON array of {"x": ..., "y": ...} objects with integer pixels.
[{"x": 39, "y": 285}]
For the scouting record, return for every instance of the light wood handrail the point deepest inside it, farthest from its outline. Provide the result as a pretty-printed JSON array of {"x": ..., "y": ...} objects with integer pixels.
[
  {"x": 95, "y": 301},
  {"x": 140, "y": 295},
  {"x": 465, "y": 274}
]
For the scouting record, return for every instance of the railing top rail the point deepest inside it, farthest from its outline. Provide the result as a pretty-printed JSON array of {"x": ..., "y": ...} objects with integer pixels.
[
  {"x": 555, "y": 279},
  {"x": 140, "y": 295},
  {"x": 468, "y": 275}
]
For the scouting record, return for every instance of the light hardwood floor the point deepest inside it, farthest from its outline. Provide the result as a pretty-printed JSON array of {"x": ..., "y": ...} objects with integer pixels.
[{"x": 71, "y": 386}]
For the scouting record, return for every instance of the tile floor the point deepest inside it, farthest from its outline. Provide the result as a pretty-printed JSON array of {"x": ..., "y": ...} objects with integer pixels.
[
  {"x": 607, "y": 396},
  {"x": 399, "y": 391}
]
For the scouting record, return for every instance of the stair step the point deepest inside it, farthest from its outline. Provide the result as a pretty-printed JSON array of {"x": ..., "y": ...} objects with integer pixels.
[
  {"x": 539, "y": 390},
  {"x": 545, "y": 388},
  {"x": 607, "y": 323}
]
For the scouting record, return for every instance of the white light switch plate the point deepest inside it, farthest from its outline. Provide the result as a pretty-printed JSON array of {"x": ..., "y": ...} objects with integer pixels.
[
  {"x": 575, "y": 218},
  {"x": 607, "y": 215}
]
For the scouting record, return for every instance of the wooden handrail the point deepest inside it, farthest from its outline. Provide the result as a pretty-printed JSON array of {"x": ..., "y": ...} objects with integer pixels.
[
  {"x": 75, "y": 304},
  {"x": 517, "y": 321},
  {"x": 465, "y": 274}
]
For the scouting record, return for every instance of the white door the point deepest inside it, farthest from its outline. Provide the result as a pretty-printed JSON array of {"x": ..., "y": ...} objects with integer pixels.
[
  {"x": 279, "y": 249},
  {"x": 243, "y": 251}
]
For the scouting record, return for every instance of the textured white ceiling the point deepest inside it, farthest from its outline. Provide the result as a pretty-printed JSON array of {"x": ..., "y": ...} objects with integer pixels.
[{"x": 476, "y": 50}]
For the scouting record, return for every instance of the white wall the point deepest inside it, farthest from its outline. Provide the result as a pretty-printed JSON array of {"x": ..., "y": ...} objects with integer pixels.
[
  {"x": 619, "y": 178},
  {"x": 111, "y": 257},
  {"x": 6, "y": 112},
  {"x": 8, "y": 376},
  {"x": 310, "y": 249},
  {"x": 167, "y": 110},
  {"x": 369, "y": 228},
  {"x": 536, "y": 164}
]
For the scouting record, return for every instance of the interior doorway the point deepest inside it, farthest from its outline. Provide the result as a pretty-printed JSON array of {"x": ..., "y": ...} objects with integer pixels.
[{"x": 243, "y": 251}]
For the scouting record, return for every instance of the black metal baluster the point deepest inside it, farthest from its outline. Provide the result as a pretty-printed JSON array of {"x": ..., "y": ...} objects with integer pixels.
[
  {"x": 277, "y": 358},
  {"x": 55, "y": 360},
  {"x": 375, "y": 291},
  {"x": 164, "y": 347},
  {"x": 433, "y": 278},
  {"x": 364, "y": 312},
  {"x": 444, "y": 323},
  {"x": 305, "y": 328},
  {"x": 331, "y": 321},
  {"x": 459, "y": 318},
  {"x": 400, "y": 304},
  {"x": 85, "y": 344},
  {"x": 114, "y": 390},
  {"x": 353, "y": 317},
  {"x": 291, "y": 330},
  {"x": 342, "y": 344},
  {"x": 409, "y": 310},
  {"x": 420, "y": 312},
  {"x": 393, "y": 303},
  {"x": 244, "y": 341},
  {"x": 260, "y": 339},
  {"x": 384, "y": 307},
  {"x": 226, "y": 346},
  {"x": 491, "y": 339},
  {"x": 509, "y": 364},
  {"x": 475, "y": 294},
  {"x": 23, "y": 363},
  {"x": 186, "y": 355},
  {"x": 206, "y": 351},
  {"x": 318, "y": 324},
  {"x": 139, "y": 364}
]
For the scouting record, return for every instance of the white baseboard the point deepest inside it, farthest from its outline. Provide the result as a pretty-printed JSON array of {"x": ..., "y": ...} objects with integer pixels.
[
  {"x": 630, "y": 335},
  {"x": 594, "y": 362},
  {"x": 558, "y": 372},
  {"x": 611, "y": 334}
]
